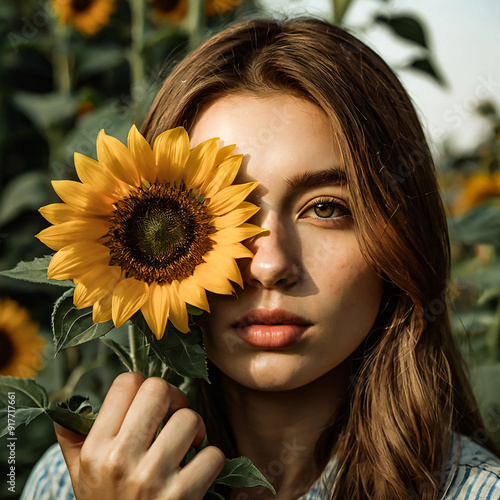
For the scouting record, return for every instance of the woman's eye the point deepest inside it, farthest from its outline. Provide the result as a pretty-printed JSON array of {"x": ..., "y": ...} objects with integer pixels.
[{"x": 326, "y": 210}]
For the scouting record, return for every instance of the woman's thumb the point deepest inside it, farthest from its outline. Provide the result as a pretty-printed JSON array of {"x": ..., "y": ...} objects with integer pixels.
[{"x": 71, "y": 444}]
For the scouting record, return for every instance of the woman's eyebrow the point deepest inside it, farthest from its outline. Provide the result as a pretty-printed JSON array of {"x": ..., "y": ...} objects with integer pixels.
[{"x": 308, "y": 179}]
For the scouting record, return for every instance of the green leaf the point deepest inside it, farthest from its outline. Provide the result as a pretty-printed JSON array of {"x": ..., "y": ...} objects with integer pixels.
[
  {"x": 27, "y": 191},
  {"x": 425, "y": 65},
  {"x": 46, "y": 109},
  {"x": 183, "y": 352},
  {"x": 339, "y": 10},
  {"x": 72, "y": 326},
  {"x": 35, "y": 271},
  {"x": 120, "y": 351},
  {"x": 100, "y": 59},
  {"x": 479, "y": 226},
  {"x": 241, "y": 473},
  {"x": 406, "y": 27},
  {"x": 76, "y": 414},
  {"x": 25, "y": 397},
  {"x": 112, "y": 117},
  {"x": 194, "y": 311}
]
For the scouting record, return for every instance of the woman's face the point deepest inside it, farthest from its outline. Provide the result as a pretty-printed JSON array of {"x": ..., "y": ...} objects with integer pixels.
[{"x": 309, "y": 297}]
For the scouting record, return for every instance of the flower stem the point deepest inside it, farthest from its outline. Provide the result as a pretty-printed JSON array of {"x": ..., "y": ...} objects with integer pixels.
[
  {"x": 136, "y": 50},
  {"x": 132, "y": 335},
  {"x": 196, "y": 22},
  {"x": 60, "y": 58},
  {"x": 165, "y": 371},
  {"x": 73, "y": 379}
]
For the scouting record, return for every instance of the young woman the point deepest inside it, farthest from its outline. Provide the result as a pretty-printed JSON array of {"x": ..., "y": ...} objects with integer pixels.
[{"x": 334, "y": 370}]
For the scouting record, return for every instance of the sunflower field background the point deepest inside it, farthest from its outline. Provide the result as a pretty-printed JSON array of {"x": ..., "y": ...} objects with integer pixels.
[{"x": 70, "y": 68}]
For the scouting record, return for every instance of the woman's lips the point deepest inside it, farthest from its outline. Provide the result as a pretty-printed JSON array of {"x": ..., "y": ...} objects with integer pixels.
[{"x": 274, "y": 328}]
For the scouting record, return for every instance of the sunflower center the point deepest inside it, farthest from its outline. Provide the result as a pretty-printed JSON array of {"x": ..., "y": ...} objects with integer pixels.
[
  {"x": 81, "y": 5},
  {"x": 159, "y": 234},
  {"x": 166, "y": 5},
  {"x": 6, "y": 349}
]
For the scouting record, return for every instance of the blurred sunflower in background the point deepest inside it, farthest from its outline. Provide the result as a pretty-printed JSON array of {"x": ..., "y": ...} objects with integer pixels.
[
  {"x": 88, "y": 16},
  {"x": 477, "y": 189},
  {"x": 20, "y": 345},
  {"x": 175, "y": 11},
  {"x": 150, "y": 229}
]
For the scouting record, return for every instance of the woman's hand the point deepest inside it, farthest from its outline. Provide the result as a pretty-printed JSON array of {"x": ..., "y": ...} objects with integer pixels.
[{"x": 119, "y": 460}]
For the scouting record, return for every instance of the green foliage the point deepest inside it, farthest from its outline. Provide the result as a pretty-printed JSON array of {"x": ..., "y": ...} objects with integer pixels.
[
  {"x": 72, "y": 326},
  {"x": 58, "y": 90},
  {"x": 30, "y": 400},
  {"x": 480, "y": 226},
  {"x": 241, "y": 473},
  {"x": 406, "y": 27},
  {"x": 34, "y": 272},
  {"x": 475, "y": 237},
  {"x": 181, "y": 352}
]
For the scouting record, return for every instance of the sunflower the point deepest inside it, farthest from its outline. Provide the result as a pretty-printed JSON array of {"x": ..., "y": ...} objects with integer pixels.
[
  {"x": 477, "y": 189},
  {"x": 150, "y": 229},
  {"x": 88, "y": 16},
  {"x": 175, "y": 11},
  {"x": 20, "y": 346}
]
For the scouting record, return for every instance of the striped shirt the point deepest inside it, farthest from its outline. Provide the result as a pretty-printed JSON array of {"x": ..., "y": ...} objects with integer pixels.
[{"x": 470, "y": 472}]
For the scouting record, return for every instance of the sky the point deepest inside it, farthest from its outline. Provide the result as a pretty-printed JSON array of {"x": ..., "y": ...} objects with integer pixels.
[{"x": 464, "y": 39}]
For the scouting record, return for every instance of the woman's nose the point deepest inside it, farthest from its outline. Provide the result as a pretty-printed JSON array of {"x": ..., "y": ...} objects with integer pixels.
[{"x": 275, "y": 261}]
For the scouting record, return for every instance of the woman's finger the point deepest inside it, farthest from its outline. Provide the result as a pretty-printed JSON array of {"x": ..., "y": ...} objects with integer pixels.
[
  {"x": 184, "y": 429},
  {"x": 71, "y": 443},
  {"x": 201, "y": 472},
  {"x": 154, "y": 399},
  {"x": 116, "y": 405}
]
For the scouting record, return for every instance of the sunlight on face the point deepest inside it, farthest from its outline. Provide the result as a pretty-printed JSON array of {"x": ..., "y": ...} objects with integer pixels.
[{"x": 309, "y": 298}]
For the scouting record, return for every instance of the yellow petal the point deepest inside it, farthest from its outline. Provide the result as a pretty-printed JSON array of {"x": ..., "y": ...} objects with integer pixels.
[
  {"x": 143, "y": 154},
  {"x": 232, "y": 235},
  {"x": 83, "y": 197},
  {"x": 223, "y": 153},
  {"x": 128, "y": 297},
  {"x": 206, "y": 277},
  {"x": 224, "y": 176},
  {"x": 178, "y": 312},
  {"x": 57, "y": 213},
  {"x": 235, "y": 217},
  {"x": 76, "y": 259},
  {"x": 94, "y": 285},
  {"x": 236, "y": 251},
  {"x": 94, "y": 174},
  {"x": 229, "y": 198},
  {"x": 60, "y": 235},
  {"x": 171, "y": 149},
  {"x": 101, "y": 311},
  {"x": 225, "y": 265},
  {"x": 115, "y": 156},
  {"x": 156, "y": 309},
  {"x": 200, "y": 163},
  {"x": 193, "y": 294}
]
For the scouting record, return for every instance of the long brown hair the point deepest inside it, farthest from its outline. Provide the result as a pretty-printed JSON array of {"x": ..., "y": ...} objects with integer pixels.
[{"x": 409, "y": 388}]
